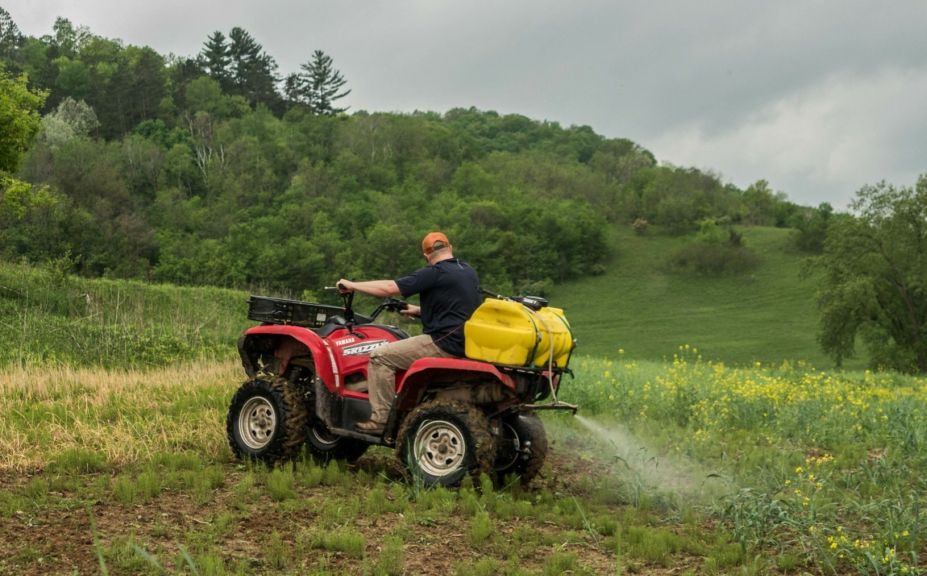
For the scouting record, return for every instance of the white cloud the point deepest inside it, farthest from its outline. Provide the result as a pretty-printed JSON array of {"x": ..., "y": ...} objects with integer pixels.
[
  {"x": 819, "y": 143},
  {"x": 817, "y": 97}
]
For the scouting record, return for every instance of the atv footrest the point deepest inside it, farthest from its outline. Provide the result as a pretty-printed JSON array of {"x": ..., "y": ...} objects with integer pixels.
[{"x": 360, "y": 436}]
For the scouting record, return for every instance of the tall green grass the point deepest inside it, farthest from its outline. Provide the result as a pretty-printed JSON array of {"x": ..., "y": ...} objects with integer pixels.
[
  {"x": 828, "y": 467},
  {"x": 51, "y": 318}
]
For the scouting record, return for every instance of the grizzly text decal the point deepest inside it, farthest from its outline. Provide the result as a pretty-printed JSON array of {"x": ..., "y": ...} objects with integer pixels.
[{"x": 365, "y": 348}]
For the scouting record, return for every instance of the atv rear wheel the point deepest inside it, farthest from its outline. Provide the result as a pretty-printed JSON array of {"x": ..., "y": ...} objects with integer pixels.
[
  {"x": 522, "y": 448},
  {"x": 325, "y": 446},
  {"x": 442, "y": 441},
  {"x": 266, "y": 421}
]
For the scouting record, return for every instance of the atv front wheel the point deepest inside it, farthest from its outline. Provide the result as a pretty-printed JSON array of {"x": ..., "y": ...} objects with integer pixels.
[
  {"x": 522, "y": 448},
  {"x": 442, "y": 441},
  {"x": 326, "y": 446},
  {"x": 266, "y": 421}
]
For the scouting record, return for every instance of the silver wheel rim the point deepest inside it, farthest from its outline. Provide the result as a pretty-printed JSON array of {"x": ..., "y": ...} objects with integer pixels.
[
  {"x": 440, "y": 447},
  {"x": 257, "y": 422},
  {"x": 323, "y": 437}
]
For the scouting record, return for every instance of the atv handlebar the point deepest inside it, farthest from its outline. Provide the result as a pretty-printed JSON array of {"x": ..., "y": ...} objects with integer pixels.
[{"x": 388, "y": 304}]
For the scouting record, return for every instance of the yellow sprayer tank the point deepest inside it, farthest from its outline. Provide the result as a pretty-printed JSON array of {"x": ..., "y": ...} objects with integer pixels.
[{"x": 510, "y": 333}]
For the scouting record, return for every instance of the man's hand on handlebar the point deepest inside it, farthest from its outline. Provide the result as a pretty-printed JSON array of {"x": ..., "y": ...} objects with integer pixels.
[
  {"x": 411, "y": 310},
  {"x": 345, "y": 286}
]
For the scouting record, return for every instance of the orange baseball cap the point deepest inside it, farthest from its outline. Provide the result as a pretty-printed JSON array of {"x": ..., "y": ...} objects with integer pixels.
[{"x": 435, "y": 241}]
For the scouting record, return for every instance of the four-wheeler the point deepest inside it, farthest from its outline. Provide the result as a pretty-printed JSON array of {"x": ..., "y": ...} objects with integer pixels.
[{"x": 307, "y": 367}]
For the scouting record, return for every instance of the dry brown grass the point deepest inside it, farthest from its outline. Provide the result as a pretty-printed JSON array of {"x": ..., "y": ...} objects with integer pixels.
[{"x": 123, "y": 415}]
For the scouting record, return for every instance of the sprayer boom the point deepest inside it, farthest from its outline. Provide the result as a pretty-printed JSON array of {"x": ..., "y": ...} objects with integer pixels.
[{"x": 555, "y": 405}]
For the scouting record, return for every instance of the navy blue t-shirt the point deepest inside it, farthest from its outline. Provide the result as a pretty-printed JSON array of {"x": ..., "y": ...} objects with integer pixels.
[{"x": 449, "y": 292}]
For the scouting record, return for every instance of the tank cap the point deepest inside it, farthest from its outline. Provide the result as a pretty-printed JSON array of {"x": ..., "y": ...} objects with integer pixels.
[{"x": 533, "y": 302}]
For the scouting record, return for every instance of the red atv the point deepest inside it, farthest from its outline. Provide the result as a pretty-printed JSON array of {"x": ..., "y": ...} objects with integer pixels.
[{"x": 307, "y": 369}]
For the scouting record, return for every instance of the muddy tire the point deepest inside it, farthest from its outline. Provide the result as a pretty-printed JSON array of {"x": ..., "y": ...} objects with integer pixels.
[
  {"x": 442, "y": 441},
  {"x": 267, "y": 421},
  {"x": 521, "y": 448},
  {"x": 325, "y": 446}
]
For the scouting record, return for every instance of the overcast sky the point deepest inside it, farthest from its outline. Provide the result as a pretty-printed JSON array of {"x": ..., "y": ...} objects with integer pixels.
[{"x": 817, "y": 97}]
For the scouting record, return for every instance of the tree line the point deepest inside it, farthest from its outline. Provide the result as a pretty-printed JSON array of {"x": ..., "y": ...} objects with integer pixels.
[{"x": 212, "y": 169}]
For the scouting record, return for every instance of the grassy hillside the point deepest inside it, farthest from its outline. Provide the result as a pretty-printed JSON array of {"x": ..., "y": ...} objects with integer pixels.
[
  {"x": 642, "y": 307},
  {"x": 638, "y": 306}
]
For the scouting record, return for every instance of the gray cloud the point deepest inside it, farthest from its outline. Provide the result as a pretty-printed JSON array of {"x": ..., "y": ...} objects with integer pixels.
[{"x": 819, "y": 98}]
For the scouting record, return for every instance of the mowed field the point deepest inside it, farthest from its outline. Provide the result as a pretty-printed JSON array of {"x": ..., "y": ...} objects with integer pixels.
[{"x": 641, "y": 306}]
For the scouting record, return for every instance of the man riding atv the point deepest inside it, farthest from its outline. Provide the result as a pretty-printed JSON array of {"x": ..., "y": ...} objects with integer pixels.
[
  {"x": 449, "y": 292},
  {"x": 336, "y": 382}
]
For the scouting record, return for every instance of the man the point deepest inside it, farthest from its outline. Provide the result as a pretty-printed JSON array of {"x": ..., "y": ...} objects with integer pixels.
[{"x": 449, "y": 292}]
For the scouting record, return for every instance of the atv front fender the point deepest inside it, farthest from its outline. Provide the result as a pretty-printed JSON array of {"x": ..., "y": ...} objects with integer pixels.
[{"x": 283, "y": 343}]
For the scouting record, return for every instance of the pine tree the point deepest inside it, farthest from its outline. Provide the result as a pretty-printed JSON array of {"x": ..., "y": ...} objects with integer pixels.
[
  {"x": 216, "y": 59},
  {"x": 10, "y": 37},
  {"x": 321, "y": 84},
  {"x": 293, "y": 89},
  {"x": 253, "y": 70}
]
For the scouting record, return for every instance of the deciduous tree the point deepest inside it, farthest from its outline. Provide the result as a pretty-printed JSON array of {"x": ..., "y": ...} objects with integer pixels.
[
  {"x": 72, "y": 119},
  {"x": 19, "y": 117},
  {"x": 874, "y": 283}
]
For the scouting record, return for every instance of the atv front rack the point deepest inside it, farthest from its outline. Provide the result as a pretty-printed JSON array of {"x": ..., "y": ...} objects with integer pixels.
[{"x": 306, "y": 314}]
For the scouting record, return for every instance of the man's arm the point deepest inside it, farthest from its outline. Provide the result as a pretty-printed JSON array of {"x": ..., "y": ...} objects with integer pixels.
[{"x": 376, "y": 288}]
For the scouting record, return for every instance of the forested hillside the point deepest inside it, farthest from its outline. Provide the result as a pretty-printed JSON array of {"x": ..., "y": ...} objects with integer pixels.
[{"x": 217, "y": 169}]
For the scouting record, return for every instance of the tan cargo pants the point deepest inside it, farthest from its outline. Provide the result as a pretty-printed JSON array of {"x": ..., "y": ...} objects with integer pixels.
[{"x": 386, "y": 360}]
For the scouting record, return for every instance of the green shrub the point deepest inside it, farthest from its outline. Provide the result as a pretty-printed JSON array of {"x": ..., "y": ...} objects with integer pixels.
[{"x": 714, "y": 259}]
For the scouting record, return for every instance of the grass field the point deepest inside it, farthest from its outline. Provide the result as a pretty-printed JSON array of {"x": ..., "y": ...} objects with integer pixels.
[
  {"x": 709, "y": 441},
  {"x": 129, "y": 473},
  {"x": 688, "y": 467},
  {"x": 642, "y": 307}
]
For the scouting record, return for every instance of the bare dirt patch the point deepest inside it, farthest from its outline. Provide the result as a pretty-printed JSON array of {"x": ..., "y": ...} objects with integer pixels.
[
  {"x": 250, "y": 532},
  {"x": 65, "y": 534}
]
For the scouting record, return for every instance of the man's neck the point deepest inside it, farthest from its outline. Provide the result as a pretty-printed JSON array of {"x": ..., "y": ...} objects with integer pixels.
[{"x": 435, "y": 258}]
